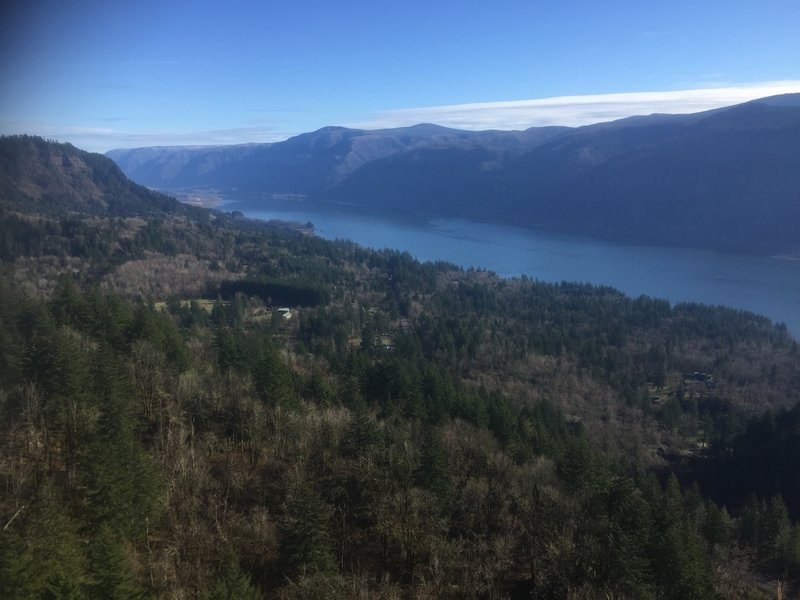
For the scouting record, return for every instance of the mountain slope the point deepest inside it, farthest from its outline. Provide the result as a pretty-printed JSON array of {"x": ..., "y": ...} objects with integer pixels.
[
  {"x": 37, "y": 175},
  {"x": 729, "y": 180},
  {"x": 419, "y": 431},
  {"x": 309, "y": 164},
  {"x": 725, "y": 179}
]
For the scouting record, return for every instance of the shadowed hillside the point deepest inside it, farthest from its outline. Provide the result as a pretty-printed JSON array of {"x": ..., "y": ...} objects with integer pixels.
[{"x": 725, "y": 179}]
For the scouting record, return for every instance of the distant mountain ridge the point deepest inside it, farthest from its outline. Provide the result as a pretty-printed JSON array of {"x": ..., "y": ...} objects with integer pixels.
[
  {"x": 724, "y": 179},
  {"x": 307, "y": 164}
]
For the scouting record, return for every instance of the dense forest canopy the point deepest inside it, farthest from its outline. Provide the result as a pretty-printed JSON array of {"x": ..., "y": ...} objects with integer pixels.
[{"x": 403, "y": 430}]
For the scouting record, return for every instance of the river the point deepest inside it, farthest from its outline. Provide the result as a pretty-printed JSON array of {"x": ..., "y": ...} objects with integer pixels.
[{"x": 765, "y": 285}]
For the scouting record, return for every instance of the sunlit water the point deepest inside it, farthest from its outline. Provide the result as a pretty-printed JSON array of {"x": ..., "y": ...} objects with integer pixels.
[{"x": 769, "y": 286}]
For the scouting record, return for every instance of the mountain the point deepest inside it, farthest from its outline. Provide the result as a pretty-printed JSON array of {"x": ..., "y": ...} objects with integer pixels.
[
  {"x": 728, "y": 180},
  {"x": 310, "y": 164},
  {"x": 724, "y": 179},
  {"x": 41, "y": 176}
]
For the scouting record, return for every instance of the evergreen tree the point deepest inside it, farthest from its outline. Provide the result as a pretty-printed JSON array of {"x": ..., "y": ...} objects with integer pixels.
[
  {"x": 59, "y": 363},
  {"x": 775, "y": 529},
  {"x": 350, "y": 394},
  {"x": 575, "y": 467},
  {"x": 232, "y": 583},
  {"x": 273, "y": 380},
  {"x": 20, "y": 576},
  {"x": 684, "y": 571},
  {"x": 629, "y": 538},
  {"x": 716, "y": 526},
  {"x": 362, "y": 433},
  {"x": 671, "y": 510},
  {"x": 432, "y": 473},
  {"x": 304, "y": 533},
  {"x": 57, "y": 554},
  {"x": 750, "y": 522},
  {"x": 502, "y": 420},
  {"x": 111, "y": 575},
  {"x": 121, "y": 483}
]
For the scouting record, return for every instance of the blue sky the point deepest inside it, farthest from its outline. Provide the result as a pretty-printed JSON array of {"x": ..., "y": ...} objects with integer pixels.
[{"x": 105, "y": 74}]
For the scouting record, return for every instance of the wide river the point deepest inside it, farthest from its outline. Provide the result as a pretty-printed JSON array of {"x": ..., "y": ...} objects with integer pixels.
[{"x": 769, "y": 286}]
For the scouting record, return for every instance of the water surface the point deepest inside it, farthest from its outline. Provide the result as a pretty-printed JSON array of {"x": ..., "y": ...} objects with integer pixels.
[{"x": 765, "y": 285}]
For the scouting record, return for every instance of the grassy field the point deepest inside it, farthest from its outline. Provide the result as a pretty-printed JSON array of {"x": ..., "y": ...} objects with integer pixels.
[{"x": 206, "y": 305}]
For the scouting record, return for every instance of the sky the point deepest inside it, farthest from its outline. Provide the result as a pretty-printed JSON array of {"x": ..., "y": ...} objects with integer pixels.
[{"x": 105, "y": 74}]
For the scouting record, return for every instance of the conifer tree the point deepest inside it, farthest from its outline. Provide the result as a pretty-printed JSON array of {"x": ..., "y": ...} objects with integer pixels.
[
  {"x": 671, "y": 510},
  {"x": 20, "y": 576},
  {"x": 121, "y": 483},
  {"x": 111, "y": 575},
  {"x": 432, "y": 472},
  {"x": 716, "y": 526},
  {"x": 56, "y": 546},
  {"x": 304, "y": 533},
  {"x": 350, "y": 394},
  {"x": 361, "y": 434},
  {"x": 629, "y": 537},
  {"x": 684, "y": 571},
  {"x": 232, "y": 583},
  {"x": 750, "y": 522},
  {"x": 776, "y": 528},
  {"x": 575, "y": 467},
  {"x": 273, "y": 380}
]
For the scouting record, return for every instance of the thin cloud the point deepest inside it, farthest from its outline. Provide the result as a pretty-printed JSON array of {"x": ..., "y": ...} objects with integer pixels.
[
  {"x": 102, "y": 139},
  {"x": 576, "y": 110},
  {"x": 506, "y": 115}
]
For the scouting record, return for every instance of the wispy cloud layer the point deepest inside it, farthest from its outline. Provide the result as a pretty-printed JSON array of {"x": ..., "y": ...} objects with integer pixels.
[
  {"x": 576, "y": 110},
  {"x": 101, "y": 139},
  {"x": 508, "y": 115}
]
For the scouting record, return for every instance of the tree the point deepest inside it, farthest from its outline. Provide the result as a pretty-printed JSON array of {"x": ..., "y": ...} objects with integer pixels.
[
  {"x": 20, "y": 575},
  {"x": 58, "y": 362},
  {"x": 56, "y": 545},
  {"x": 685, "y": 573},
  {"x": 432, "y": 473},
  {"x": 750, "y": 522},
  {"x": 232, "y": 583},
  {"x": 121, "y": 482},
  {"x": 111, "y": 575},
  {"x": 775, "y": 529},
  {"x": 304, "y": 536},
  {"x": 575, "y": 467},
  {"x": 273, "y": 380},
  {"x": 629, "y": 538},
  {"x": 362, "y": 433},
  {"x": 716, "y": 526}
]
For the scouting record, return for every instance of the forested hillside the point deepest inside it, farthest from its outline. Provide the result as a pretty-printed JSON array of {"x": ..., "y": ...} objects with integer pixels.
[{"x": 195, "y": 405}]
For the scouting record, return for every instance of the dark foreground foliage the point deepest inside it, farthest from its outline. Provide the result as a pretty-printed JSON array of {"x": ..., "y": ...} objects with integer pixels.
[{"x": 414, "y": 431}]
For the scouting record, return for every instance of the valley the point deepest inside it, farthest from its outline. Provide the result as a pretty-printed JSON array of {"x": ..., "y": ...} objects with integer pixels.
[
  {"x": 399, "y": 301},
  {"x": 724, "y": 180},
  {"x": 195, "y": 404}
]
